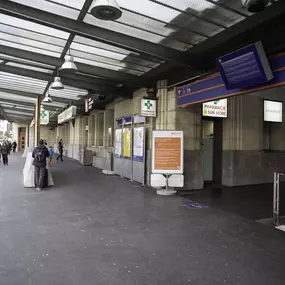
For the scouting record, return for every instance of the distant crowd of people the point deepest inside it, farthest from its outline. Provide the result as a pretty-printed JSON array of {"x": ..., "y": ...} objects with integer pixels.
[{"x": 5, "y": 150}]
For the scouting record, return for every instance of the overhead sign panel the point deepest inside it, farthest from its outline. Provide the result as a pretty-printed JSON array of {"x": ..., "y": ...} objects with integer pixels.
[
  {"x": 148, "y": 108},
  {"x": 67, "y": 115},
  {"x": 273, "y": 111},
  {"x": 246, "y": 67},
  {"x": 213, "y": 86},
  {"x": 217, "y": 108}
]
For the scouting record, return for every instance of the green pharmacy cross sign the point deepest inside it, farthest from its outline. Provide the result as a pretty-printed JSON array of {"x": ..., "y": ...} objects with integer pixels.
[
  {"x": 148, "y": 104},
  {"x": 43, "y": 115}
]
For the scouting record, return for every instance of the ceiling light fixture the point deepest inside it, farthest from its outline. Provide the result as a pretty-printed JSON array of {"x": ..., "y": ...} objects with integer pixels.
[
  {"x": 57, "y": 85},
  {"x": 69, "y": 64},
  {"x": 47, "y": 98},
  {"x": 108, "y": 10}
]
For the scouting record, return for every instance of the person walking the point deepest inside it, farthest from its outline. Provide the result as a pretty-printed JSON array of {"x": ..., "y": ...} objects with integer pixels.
[
  {"x": 40, "y": 155},
  {"x": 9, "y": 147},
  {"x": 0, "y": 152},
  {"x": 51, "y": 155},
  {"x": 14, "y": 146},
  {"x": 5, "y": 152},
  {"x": 60, "y": 149}
]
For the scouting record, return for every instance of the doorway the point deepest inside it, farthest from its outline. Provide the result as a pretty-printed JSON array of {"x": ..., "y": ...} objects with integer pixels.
[
  {"x": 22, "y": 139},
  {"x": 212, "y": 151}
]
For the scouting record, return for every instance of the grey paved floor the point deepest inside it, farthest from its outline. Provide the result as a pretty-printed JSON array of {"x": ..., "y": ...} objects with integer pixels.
[
  {"x": 252, "y": 202},
  {"x": 93, "y": 229}
]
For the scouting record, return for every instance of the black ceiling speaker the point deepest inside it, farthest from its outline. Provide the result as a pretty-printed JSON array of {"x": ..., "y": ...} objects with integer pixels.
[
  {"x": 102, "y": 96},
  {"x": 254, "y": 6}
]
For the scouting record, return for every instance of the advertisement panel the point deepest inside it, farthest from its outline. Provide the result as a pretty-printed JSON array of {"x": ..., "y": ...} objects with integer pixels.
[
  {"x": 167, "y": 152},
  {"x": 139, "y": 143},
  {"x": 127, "y": 132},
  {"x": 118, "y": 143}
]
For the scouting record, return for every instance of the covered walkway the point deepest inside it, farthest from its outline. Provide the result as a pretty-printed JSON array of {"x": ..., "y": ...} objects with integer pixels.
[{"x": 94, "y": 229}]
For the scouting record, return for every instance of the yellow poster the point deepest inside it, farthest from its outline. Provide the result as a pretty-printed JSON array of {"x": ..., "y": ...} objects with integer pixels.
[{"x": 127, "y": 142}]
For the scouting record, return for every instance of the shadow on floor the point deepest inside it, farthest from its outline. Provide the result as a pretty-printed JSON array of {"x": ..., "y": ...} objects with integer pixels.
[{"x": 252, "y": 202}]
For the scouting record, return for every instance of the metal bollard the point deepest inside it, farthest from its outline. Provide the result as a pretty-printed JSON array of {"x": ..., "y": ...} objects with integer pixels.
[{"x": 276, "y": 198}]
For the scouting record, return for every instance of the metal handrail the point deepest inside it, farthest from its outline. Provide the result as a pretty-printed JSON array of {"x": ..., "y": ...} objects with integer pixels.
[{"x": 276, "y": 197}]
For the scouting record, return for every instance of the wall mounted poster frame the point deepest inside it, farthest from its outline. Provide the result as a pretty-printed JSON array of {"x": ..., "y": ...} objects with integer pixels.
[
  {"x": 139, "y": 144},
  {"x": 167, "y": 152},
  {"x": 118, "y": 142},
  {"x": 127, "y": 142}
]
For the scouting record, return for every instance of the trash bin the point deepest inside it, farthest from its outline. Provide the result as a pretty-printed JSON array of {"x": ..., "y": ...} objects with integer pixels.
[{"x": 87, "y": 157}]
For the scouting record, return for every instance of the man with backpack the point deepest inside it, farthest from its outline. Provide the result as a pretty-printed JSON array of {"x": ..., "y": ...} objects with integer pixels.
[{"x": 40, "y": 155}]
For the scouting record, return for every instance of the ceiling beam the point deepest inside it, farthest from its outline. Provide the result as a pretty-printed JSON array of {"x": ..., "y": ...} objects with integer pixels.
[
  {"x": 16, "y": 102},
  {"x": 19, "y": 114},
  {"x": 93, "y": 32},
  {"x": 116, "y": 76},
  {"x": 2, "y": 112},
  {"x": 32, "y": 95},
  {"x": 247, "y": 31},
  {"x": 25, "y": 111},
  {"x": 80, "y": 18},
  {"x": 65, "y": 80},
  {"x": 17, "y": 108}
]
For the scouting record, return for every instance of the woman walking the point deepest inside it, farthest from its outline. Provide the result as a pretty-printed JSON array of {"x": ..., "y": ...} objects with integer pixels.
[{"x": 60, "y": 149}]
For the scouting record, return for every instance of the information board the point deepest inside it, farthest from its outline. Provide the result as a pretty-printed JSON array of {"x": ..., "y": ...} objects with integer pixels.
[
  {"x": 118, "y": 142},
  {"x": 167, "y": 152},
  {"x": 127, "y": 132},
  {"x": 248, "y": 66},
  {"x": 139, "y": 143}
]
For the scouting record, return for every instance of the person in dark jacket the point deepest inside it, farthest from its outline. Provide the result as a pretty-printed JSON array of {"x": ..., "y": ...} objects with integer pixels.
[
  {"x": 9, "y": 148},
  {"x": 60, "y": 149},
  {"x": 0, "y": 152},
  {"x": 5, "y": 152},
  {"x": 40, "y": 155},
  {"x": 14, "y": 146}
]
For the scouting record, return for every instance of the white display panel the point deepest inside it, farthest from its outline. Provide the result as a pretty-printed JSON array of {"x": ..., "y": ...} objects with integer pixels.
[
  {"x": 217, "y": 108},
  {"x": 273, "y": 111},
  {"x": 167, "y": 152}
]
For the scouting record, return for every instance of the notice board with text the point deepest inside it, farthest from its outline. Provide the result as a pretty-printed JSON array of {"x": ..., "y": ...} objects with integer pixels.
[{"x": 167, "y": 152}]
